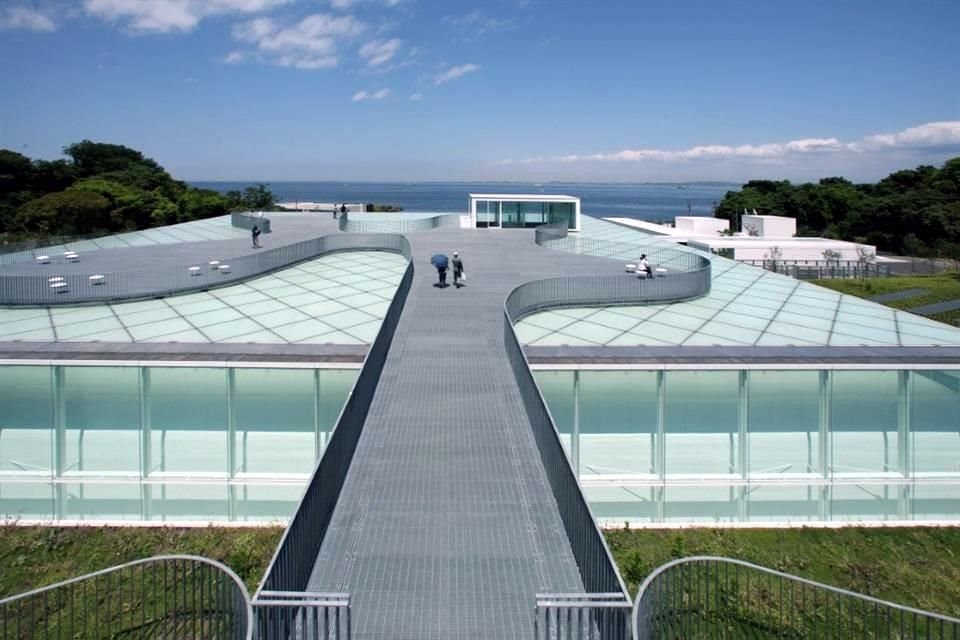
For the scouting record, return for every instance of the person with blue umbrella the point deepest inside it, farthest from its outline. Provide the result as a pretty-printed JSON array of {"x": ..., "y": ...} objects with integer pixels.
[{"x": 441, "y": 262}]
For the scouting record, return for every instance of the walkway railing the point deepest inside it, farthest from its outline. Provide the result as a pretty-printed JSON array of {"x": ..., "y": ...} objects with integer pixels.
[
  {"x": 579, "y": 616},
  {"x": 396, "y": 223},
  {"x": 77, "y": 288},
  {"x": 293, "y": 615},
  {"x": 289, "y": 570},
  {"x": 817, "y": 269},
  {"x": 660, "y": 253},
  {"x": 249, "y": 220},
  {"x": 183, "y": 597},
  {"x": 708, "y": 597}
]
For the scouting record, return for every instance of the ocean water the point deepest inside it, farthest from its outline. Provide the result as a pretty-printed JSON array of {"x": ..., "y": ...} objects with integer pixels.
[{"x": 643, "y": 201}]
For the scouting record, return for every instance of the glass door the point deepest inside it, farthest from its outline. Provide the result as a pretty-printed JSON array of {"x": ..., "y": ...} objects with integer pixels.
[{"x": 488, "y": 214}]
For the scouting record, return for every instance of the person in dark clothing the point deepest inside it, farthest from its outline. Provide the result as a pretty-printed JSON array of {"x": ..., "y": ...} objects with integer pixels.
[
  {"x": 343, "y": 209},
  {"x": 458, "y": 275},
  {"x": 442, "y": 274},
  {"x": 255, "y": 236}
]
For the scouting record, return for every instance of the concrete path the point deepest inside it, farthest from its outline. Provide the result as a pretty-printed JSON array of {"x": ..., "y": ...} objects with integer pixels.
[
  {"x": 446, "y": 526},
  {"x": 898, "y": 295}
]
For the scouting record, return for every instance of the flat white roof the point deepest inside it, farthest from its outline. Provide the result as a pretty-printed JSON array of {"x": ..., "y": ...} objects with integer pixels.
[
  {"x": 523, "y": 196},
  {"x": 741, "y": 242}
]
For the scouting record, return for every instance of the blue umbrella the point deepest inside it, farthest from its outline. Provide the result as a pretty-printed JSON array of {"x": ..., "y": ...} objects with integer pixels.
[{"x": 439, "y": 261}]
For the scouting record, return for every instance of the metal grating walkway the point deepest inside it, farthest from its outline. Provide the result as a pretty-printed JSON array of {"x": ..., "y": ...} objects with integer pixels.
[{"x": 446, "y": 526}]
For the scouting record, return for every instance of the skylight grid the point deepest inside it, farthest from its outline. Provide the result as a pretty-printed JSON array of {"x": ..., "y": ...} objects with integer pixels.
[
  {"x": 746, "y": 306},
  {"x": 295, "y": 305}
]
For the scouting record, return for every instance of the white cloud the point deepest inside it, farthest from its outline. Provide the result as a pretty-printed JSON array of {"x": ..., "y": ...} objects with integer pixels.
[
  {"x": 927, "y": 135},
  {"x": 342, "y": 5},
  {"x": 26, "y": 18},
  {"x": 162, "y": 16},
  {"x": 377, "y": 52},
  {"x": 416, "y": 97},
  {"x": 308, "y": 44},
  {"x": 455, "y": 72},
  {"x": 477, "y": 24},
  {"x": 235, "y": 57},
  {"x": 379, "y": 94}
]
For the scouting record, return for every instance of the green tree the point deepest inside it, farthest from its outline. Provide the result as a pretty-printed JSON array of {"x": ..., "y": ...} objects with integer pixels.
[
  {"x": 64, "y": 213},
  {"x": 92, "y": 158}
]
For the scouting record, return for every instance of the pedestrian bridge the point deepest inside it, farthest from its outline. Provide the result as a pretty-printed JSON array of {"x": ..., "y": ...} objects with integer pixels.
[{"x": 444, "y": 502}]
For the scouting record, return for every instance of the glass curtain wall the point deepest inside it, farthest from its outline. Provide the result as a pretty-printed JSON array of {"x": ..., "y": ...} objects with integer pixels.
[
  {"x": 525, "y": 214},
  {"x": 162, "y": 443},
  {"x": 762, "y": 445}
]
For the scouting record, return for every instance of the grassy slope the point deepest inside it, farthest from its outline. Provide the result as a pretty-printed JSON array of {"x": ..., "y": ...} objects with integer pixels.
[
  {"x": 940, "y": 287},
  {"x": 32, "y": 557},
  {"x": 916, "y": 566}
]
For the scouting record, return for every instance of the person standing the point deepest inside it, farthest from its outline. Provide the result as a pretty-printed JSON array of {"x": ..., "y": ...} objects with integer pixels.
[
  {"x": 255, "y": 236},
  {"x": 343, "y": 209},
  {"x": 334, "y": 210},
  {"x": 458, "y": 275}
]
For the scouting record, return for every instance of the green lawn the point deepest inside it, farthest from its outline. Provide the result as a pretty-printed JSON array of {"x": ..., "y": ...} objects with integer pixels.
[
  {"x": 919, "y": 567},
  {"x": 944, "y": 286},
  {"x": 915, "y": 566},
  {"x": 32, "y": 557}
]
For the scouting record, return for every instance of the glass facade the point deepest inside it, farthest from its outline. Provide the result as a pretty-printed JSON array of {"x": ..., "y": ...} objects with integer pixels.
[
  {"x": 162, "y": 443},
  {"x": 761, "y": 445},
  {"x": 676, "y": 445},
  {"x": 524, "y": 214}
]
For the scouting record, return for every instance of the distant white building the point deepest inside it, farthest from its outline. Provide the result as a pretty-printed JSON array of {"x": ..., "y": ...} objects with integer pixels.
[{"x": 763, "y": 238}]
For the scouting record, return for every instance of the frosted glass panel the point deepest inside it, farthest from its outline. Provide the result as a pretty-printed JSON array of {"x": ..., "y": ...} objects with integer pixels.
[
  {"x": 26, "y": 419},
  {"x": 188, "y": 398},
  {"x": 102, "y": 416},
  {"x": 188, "y": 413},
  {"x": 97, "y": 501},
  {"x": 33, "y": 500},
  {"x": 102, "y": 397},
  {"x": 864, "y": 421},
  {"x": 701, "y": 421},
  {"x": 335, "y": 386},
  {"x": 618, "y": 401},
  {"x": 935, "y": 422},
  {"x": 25, "y": 398},
  {"x": 274, "y": 399},
  {"x": 557, "y": 390},
  {"x": 618, "y": 417},
  {"x": 783, "y": 421}
]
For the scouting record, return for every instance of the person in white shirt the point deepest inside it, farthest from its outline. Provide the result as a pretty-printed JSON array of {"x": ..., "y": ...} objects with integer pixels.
[{"x": 645, "y": 266}]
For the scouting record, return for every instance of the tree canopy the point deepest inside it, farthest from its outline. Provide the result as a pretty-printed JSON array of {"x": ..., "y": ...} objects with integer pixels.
[
  {"x": 104, "y": 188},
  {"x": 913, "y": 211}
]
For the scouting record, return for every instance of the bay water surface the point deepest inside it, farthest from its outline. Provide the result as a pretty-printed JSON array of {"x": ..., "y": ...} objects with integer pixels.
[{"x": 642, "y": 201}]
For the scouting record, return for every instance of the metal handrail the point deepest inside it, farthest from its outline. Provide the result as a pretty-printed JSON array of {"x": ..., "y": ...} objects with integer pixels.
[
  {"x": 582, "y": 616},
  {"x": 33, "y": 290},
  {"x": 292, "y": 563},
  {"x": 396, "y": 225},
  {"x": 309, "y": 615},
  {"x": 709, "y": 597},
  {"x": 249, "y": 220},
  {"x": 172, "y": 596}
]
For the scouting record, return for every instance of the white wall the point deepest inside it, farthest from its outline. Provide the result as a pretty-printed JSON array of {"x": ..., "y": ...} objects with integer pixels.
[
  {"x": 699, "y": 224},
  {"x": 770, "y": 226}
]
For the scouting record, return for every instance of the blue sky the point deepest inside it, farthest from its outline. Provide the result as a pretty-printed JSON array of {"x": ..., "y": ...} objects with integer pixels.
[{"x": 500, "y": 89}]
